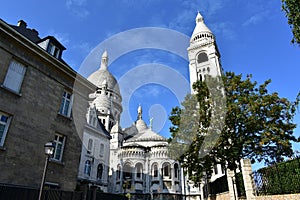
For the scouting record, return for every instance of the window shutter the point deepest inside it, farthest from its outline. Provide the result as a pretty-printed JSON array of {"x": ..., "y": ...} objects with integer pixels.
[
  {"x": 14, "y": 76},
  {"x": 70, "y": 106}
]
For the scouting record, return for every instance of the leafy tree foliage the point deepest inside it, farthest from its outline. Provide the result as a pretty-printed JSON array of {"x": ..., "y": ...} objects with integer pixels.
[
  {"x": 292, "y": 12},
  {"x": 229, "y": 119}
]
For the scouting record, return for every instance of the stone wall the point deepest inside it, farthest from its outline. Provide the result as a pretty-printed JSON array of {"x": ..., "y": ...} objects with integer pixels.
[
  {"x": 279, "y": 197},
  {"x": 35, "y": 118},
  {"x": 221, "y": 196}
]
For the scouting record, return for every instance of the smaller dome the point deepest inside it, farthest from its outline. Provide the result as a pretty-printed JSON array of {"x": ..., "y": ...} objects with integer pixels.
[
  {"x": 116, "y": 128},
  {"x": 146, "y": 135},
  {"x": 140, "y": 125}
]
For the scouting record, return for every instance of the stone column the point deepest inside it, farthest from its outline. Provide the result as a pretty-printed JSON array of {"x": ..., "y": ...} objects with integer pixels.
[
  {"x": 172, "y": 173},
  {"x": 232, "y": 185},
  {"x": 248, "y": 181},
  {"x": 147, "y": 173}
]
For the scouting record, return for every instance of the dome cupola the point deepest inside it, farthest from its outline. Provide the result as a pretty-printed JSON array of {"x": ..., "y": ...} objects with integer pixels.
[
  {"x": 201, "y": 34},
  {"x": 107, "y": 97}
]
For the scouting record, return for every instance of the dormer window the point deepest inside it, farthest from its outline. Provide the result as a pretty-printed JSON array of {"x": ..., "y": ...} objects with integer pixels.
[
  {"x": 53, "y": 50},
  {"x": 52, "y": 46}
]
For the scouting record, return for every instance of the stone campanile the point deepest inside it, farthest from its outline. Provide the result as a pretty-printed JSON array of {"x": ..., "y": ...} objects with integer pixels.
[{"x": 204, "y": 56}]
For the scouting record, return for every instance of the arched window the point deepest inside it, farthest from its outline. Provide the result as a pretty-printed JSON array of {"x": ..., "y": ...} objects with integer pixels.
[
  {"x": 202, "y": 57},
  {"x": 200, "y": 77},
  {"x": 90, "y": 145},
  {"x": 176, "y": 170},
  {"x": 166, "y": 170},
  {"x": 155, "y": 170},
  {"x": 127, "y": 171},
  {"x": 118, "y": 172},
  {"x": 101, "y": 150},
  {"x": 99, "y": 171},
  {"x": 94, "y": 121},
  {"x": 87, "y": 167},
  {"x": 139, "y": 170}
]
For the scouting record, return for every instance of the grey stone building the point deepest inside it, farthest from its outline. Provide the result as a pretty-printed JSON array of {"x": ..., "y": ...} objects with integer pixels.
[{"x": 42, "y": 99}]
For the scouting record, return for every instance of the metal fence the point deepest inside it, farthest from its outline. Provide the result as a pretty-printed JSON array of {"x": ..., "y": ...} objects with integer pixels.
[
  {"x": 240, "y": 185},
  {"x": 156, "y": 196},
  {"x": 220, "y": 185},
  {"x": 280, "y": 178},
  {"x": 13, "y": 192}
]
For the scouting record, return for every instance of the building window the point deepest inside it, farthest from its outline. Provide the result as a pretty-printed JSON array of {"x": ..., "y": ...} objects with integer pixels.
[
  {"x": 118, "y": 172},
  {"x": 155, "y": 171},
  {"x": 94, "y": 122},
  {"x": 87, "y": 168},
  {"x": 127, "y": 171},
  {"x": 4, "y": 124},
  {"x": 176, "y": 170},
  {"x": 216, "y": 169},
  {"x": 59, "y": 142},
  {"x": 99, "y": 171},
  {"x": 202, "y": 57},
  {"x": 14, "y": 77},
  {"x": 167, "y": 170},
  {"x": 53, "y": 50},
  {"x": 101, "y": 150},
  {"x": 90, "y": 145},
  {"x": 66, "y": 104},
  {"x": 139, "y": 170},
  {"x": 223, "y": 169}
]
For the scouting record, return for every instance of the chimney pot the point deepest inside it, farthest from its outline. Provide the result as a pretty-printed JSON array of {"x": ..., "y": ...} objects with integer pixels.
[{"x": 21, "y": 23}]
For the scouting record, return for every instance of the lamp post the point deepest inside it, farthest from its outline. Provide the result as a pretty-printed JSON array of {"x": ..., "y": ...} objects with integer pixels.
[{"x": 49, "y": 148}]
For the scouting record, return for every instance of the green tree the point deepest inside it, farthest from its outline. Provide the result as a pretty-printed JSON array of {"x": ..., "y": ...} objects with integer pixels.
[
  {"x": 229, "y": 119},
  {"x": 292, "y": 12}
]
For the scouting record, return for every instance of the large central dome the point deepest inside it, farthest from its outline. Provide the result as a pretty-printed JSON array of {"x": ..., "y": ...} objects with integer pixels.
[
  {"x": 107, "y": 97},
  {"x": 103, "y": 75}
]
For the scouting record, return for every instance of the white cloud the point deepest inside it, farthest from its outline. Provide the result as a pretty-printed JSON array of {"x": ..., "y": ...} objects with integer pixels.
[
  {"x": 224, "y": 30},
  {"x": 150, "y": 90},
  {"x": 63, "y": 38},
  {"x": 78, "y": 8},
  {"x": 84, "y": 47},
  {"x": 70, "y": 3},
  {"x": 256, "y": 18}
]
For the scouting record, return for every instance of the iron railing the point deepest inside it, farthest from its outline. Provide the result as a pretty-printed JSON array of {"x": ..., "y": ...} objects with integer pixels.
[{"x": 280, "y": 178}]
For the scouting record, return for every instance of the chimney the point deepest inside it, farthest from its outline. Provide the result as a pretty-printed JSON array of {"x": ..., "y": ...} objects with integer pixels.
[{"x": 22, "y": 24}]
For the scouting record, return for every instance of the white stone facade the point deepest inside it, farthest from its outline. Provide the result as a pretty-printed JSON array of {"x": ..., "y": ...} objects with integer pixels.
[
  {"x": 138, "y": 159},
  {"x": 141, "y": 164},
  {"x": 94, "y": 161}
]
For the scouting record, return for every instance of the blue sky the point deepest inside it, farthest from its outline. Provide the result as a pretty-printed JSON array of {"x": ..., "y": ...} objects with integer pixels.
[{"x": 253, "y": 38}]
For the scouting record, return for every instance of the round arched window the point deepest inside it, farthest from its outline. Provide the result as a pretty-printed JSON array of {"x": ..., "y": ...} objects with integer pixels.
[{"x": 202, "y": 57}]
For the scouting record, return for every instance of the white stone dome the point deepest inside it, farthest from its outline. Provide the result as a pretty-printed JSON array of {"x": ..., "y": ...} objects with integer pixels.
[
  {"x": 140, "y": 125},
  {"x": 101, "y": 75}
]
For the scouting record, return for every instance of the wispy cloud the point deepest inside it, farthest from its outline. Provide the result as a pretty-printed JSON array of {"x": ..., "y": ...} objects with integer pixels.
[
  {"x": 224, "y": 29},
  {"x": 78, "y": 8},
  {"x": 256, "y": 18},
  {"x": 61, "y": 37},
  {"x": 150, "y": 90},
  {"x": 185, "y": 18},
  {"x": 84, "y": 47}
]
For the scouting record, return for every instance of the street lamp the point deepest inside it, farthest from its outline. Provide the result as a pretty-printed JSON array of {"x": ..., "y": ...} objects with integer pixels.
[{"x": 49, "y": 148}]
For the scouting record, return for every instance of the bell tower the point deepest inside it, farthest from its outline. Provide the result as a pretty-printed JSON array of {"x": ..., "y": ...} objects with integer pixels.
[{"x": 204, "y": 56}]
